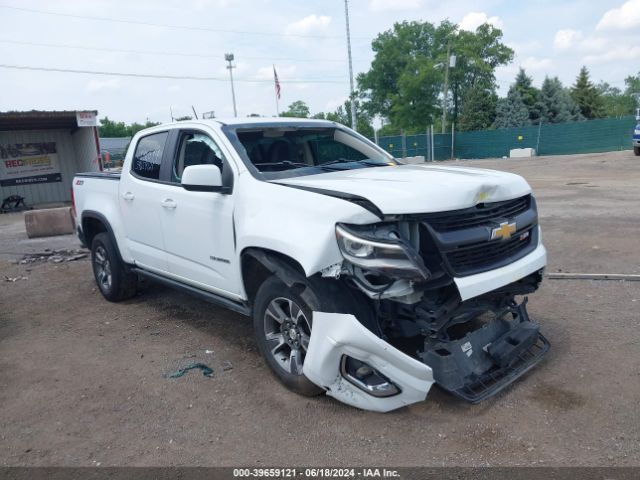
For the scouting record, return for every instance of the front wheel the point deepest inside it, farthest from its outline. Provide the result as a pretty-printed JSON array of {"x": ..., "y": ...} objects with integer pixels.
[
  {"x": 282, "y": 323},
  {"x": 636, "y": 150}
]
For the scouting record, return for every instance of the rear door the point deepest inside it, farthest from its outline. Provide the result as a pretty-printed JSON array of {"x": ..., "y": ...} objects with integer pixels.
[
  {"x": 198, "y": 228},
  {"x": 140, "y": 198}
]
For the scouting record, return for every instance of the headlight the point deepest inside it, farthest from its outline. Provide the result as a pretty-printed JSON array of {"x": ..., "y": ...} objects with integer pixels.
[
  {"x": 356, "y": 248},
  {"x": 388, "y": 257}
]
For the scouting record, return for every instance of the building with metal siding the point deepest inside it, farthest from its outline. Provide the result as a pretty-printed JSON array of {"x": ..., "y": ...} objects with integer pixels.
[{"x": 40, "y": 152}]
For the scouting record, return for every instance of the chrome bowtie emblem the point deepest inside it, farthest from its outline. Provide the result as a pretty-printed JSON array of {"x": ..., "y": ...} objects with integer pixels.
[{"x": 504, "y": 231}]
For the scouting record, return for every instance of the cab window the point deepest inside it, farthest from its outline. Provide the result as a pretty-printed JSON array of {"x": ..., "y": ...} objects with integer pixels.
[
  {"x": 147, "y": 157},
  {"x": 195, "y": 148}
]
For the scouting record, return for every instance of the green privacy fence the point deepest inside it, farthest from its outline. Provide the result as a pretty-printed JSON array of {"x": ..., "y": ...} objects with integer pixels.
[{"x": 603, "y": 135}]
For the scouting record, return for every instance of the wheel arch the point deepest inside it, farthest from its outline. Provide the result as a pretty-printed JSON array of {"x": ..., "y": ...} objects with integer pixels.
[
  {"x": 94, "y": 223},
  {"x": 330, "y": 295},
  {"x": 257, "y": 264}
]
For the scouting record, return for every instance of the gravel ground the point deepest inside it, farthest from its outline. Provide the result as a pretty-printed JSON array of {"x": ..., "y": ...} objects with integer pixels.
[{"x": 82, "y": 380}]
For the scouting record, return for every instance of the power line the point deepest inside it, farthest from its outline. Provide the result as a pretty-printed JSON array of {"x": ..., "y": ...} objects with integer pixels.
[
  {"x": 167, "y": 25},
  {"x": 170, "y": 77},
  {"x": 158, "y": 52}
]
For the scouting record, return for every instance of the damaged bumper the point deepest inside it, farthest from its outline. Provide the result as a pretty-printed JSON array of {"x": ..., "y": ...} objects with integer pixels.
[
  {"x": 362, "y": 370},
  {"x": 474, "y": 285},
  {"x": 338, "y": 336},
  {"x": 485, "y": 361}
]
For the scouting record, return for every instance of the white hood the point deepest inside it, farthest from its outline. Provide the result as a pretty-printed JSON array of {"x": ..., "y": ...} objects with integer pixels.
[{"x": 419, "y": 188}]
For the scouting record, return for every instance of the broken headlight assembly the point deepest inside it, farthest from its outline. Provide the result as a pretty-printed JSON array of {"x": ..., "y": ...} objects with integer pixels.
[{"x": 386, "y": 253}]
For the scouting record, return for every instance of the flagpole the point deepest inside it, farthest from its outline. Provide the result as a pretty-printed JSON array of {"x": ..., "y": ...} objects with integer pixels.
[{"x": 276, "y": 90}]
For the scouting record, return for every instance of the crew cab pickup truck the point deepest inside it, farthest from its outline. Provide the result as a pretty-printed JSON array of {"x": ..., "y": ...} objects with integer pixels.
[{"x": 365, "y": 279}]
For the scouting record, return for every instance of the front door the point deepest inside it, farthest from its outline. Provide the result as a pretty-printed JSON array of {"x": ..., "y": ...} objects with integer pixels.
[
  {"x": 198, "y": 226},
  {"x": 140, "y": 199}
]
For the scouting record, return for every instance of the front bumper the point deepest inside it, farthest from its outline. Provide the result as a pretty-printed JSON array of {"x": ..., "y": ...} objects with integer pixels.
[
  {"x": 475, "y": 285},
  {"x": 473, "y": 367},
  {"x": 337, "y": 334}
]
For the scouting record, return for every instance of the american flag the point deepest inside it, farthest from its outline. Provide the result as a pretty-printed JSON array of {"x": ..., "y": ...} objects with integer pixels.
[{"x": 275, "y": 77}]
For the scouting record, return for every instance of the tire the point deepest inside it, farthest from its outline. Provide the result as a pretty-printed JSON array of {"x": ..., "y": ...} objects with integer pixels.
[
  {"x": 113, "y": 279},
  {"x": 282, "y": 326},
  {"x": 636, "y": 150}
]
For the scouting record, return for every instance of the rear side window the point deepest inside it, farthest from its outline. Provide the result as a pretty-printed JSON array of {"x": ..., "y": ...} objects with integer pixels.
[{"x": 148, "y": 156}]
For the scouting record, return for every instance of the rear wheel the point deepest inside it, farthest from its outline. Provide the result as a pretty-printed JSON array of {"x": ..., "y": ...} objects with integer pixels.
[
  {"x": 282, "y": 323},
  {"x": 636, "y": 150},
  {"x": 113, "y": 280}
]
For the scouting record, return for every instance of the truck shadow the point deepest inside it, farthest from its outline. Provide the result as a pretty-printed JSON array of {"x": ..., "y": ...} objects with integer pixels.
[{"x": 233, "y": 329}]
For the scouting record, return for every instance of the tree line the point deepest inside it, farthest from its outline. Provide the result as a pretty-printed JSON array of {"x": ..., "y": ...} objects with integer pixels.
[
  {"x": 405, "y": 87},
  {"x": 406, "y": 83},
  {"x": 110, "y": 129}
]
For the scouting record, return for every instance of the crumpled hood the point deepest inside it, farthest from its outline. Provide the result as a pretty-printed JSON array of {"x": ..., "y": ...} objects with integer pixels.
[{"x": 419, "y": 188}]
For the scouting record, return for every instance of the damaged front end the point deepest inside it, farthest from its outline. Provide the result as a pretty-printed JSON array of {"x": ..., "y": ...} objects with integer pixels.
[{"x": 442, "y": 290}]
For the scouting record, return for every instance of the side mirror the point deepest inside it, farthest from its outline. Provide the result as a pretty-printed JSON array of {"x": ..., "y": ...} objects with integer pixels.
[{"x": 202, "y": 178}]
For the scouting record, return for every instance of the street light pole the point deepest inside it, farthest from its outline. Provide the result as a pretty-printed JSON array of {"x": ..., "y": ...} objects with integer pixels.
[
  {"x": 446, "y": 89},
  {"x": 353, "y": 98},
  {"x": 229, "y": 58}
]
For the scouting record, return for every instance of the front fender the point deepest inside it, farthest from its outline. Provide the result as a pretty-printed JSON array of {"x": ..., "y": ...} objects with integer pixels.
[{"x": 293, "y": 222}]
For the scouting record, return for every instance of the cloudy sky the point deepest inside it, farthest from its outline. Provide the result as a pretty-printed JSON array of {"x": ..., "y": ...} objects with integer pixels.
[{"x": 304, "y": 39}]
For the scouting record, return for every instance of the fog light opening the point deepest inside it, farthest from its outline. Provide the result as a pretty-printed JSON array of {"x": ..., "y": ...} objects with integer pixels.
[{"x": 367, "y": 378}]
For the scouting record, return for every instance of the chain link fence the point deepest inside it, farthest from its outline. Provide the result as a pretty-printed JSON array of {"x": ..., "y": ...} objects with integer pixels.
[{"x": 591, "y": 136}]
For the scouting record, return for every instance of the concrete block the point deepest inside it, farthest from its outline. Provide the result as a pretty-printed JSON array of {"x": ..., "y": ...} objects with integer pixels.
[
  {"x": 49, "y": 222},
  {"x": 522, "y": 152},
  {"x": 413, "y": 160}
]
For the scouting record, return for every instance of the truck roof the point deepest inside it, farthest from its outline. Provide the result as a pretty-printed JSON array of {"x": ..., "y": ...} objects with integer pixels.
[{"x": 262, "y": 121}]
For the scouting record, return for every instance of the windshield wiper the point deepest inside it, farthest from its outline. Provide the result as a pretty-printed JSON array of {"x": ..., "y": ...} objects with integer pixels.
[
  {"x": 283, "y": 163},
  {"x": 337, "y": 161}
]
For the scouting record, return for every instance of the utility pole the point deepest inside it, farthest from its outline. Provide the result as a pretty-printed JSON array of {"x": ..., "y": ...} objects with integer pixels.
[
  {"x": 352, "y": 93},
  {"x": 229, "y": 58},
  {"x": 446, "y": 89}
]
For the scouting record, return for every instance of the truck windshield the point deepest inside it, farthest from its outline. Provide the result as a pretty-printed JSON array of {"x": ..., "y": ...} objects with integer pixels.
[{"x": 289, "y": 152}]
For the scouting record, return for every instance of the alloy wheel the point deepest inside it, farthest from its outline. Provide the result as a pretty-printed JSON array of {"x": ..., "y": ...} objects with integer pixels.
[{"x": 287, "y": 330}]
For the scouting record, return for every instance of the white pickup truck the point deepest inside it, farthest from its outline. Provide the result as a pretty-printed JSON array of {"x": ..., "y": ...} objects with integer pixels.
[{"x": 366, "y": 280}]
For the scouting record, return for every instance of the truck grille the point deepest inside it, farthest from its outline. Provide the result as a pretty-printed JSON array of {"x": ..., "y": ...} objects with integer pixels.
[
  {"x": 485, "y": 255},
  {"x": 462, "y": 237},
  {"x": 481, "y": 214}
]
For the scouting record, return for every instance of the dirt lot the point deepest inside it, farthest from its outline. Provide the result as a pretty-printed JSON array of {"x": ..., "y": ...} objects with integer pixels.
[{"x": 81, "y": 380}]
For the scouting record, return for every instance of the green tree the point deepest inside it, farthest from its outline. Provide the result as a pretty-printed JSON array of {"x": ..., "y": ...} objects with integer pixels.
[
  {"x": 529, "y": 94},
  {"x": 587, "y": 96},
  {"x": 478, "y": 54},
  {"x": 405, "y": 81},
  {"x": 136, "y": 127},
  {"x": 297, "y": 109},
  {"x": 479, "y": 111},
  {"x": 616, "y": 103},
  {"x": 555, "y": 104},
  {"x": 343, "y": 115},
  {"x": 632, "y": 85},
  {"x": 110, "y": 129},
  {"x": 511, "y": 111}
]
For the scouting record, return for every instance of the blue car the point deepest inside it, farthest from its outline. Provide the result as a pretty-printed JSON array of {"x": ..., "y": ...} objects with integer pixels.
[{"x": 636, "y": 135}]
